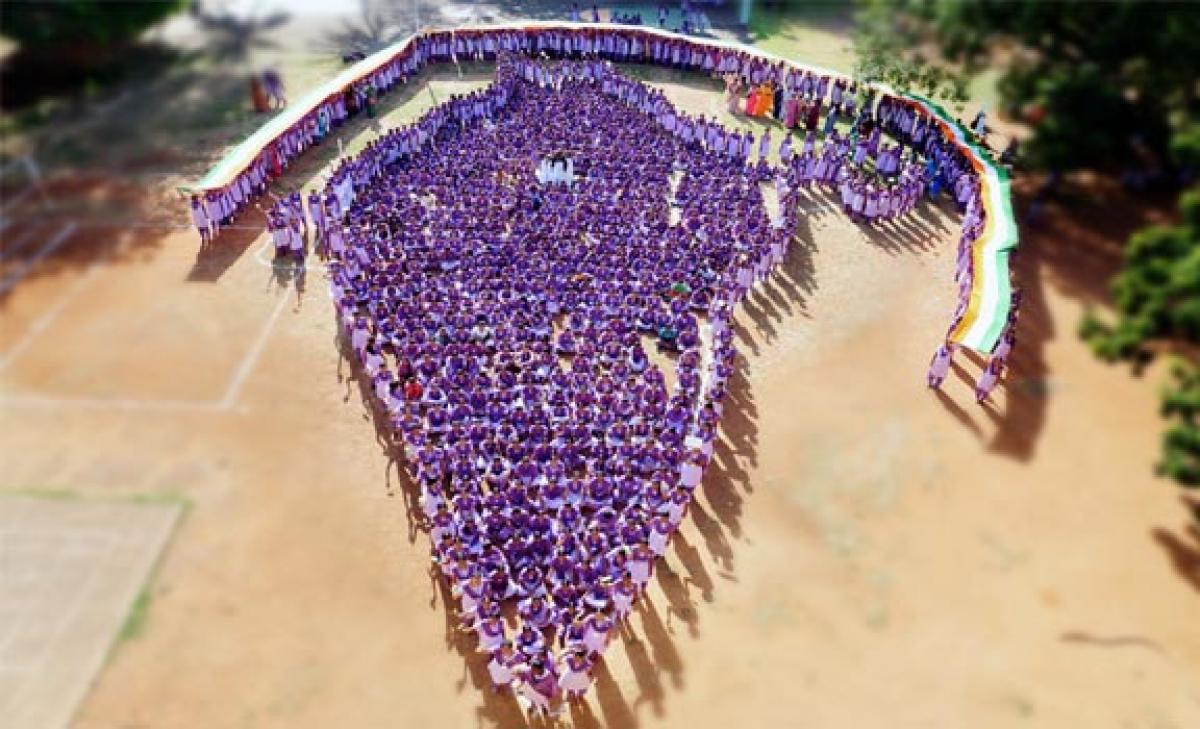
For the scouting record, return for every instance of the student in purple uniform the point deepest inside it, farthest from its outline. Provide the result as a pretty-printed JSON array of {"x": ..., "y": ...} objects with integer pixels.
[
  {"x": 599, "y": 627},
  {"x": 940, "y": 365},
  {"x": 504, "y": 666},
  {"x": 491, "y": 633},
  {"x": 539, "y": 686},
  {"x": 575, "y": 674},
  {"x": 988, "y": 379},
  {"x": 201, "y": 220},
  {"x": 623, "y": 595}
]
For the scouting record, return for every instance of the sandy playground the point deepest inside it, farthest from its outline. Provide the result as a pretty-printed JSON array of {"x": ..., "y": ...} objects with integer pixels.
[{"x": 863, "y": 552}]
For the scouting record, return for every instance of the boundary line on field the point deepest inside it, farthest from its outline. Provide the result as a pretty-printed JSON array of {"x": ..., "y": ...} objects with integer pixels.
[
  {"x": 48, "y": 317},
  {"x": 16, "y": 245},
  {"x": 227, "y": 403},
  {"x": 246, "y": 366},
  {"x": 23, "y": 270},
  {"x": 242, "y": 371},
  {"x": 36, "y": 400},
  {"x": 139, "y": 223}
]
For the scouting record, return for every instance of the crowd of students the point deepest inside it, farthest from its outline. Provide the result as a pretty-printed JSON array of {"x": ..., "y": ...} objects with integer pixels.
[
  {"x": 796, "y": 97},
  {"x": 804, "y": 92},
  {"x": 508, "y": 313},
  {"x": 505, "y": 326}
]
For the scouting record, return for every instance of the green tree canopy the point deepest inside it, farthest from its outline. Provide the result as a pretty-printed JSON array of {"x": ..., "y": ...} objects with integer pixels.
[
  {"x": 1158, "y": 292},
  {"x": 1100, "y": 78},
  {"x": 53, "y": 24},
  {"x": 65, "y": 45},
  {"x": 1157, "y": 295}
]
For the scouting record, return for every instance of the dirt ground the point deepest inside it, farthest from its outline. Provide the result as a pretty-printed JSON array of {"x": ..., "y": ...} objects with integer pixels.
[{"x": 862, "y": 553}]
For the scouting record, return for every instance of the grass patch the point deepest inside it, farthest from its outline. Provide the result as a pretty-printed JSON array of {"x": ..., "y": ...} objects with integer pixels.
[
  {"x": 167, "y": 497},
  {"x": 816, "y": 34},
  {"x": 139, "y": 613},
  {"x": 63, "y": 494},
  {"x": 48, "y": 494},
  {"x": 136, "y": 619}
]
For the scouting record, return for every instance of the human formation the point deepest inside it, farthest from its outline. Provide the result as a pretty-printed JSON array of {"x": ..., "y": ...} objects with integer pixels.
[
  {"x": 553, "y": 357},
  {"x": 538, "y": 280}
]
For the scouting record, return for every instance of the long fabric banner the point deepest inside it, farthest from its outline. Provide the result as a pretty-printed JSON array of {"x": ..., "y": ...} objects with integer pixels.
[{"x": 991, "y": 294}]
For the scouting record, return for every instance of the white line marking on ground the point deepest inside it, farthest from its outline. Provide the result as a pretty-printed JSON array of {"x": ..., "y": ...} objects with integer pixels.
[
  {"x": 43, "y": 322},
  {"x": 260, "y": 256},
  {"x": 14, "y": 200},
  {"x": 816, "y": 208},
  {"x": 111, "y": 403},
  {"x": 13, "y": 246},
  {"x": 162, "y": 405},
  {"x": 127, "y": 223},
  {"x": 246, "y": 366},
  {"x": 16, "y": 276}
]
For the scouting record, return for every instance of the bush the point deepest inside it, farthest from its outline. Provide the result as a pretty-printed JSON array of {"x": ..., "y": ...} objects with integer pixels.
[
  {"x": 1157, "y": 295},
  {"x": 1181, "y": 442}
]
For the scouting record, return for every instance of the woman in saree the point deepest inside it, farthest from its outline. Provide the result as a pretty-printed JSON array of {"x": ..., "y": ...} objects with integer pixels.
[
  {"x": 750, "y": 106},
  {"x": 766, "y": 98},
  {"x": 791, "y": 110},
  {"x": 733, "y": 92}
]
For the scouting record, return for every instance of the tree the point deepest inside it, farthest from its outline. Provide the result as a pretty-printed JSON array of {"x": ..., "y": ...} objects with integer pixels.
[
  {"x": 1157, "y": 296},
  {"x": 54, "y": 25},
  {"x": 66, "y": 44},
  {"x": 1101, "y": 80},
  {"x": 1181, "y": 442},
  {"x": 887, "y": 48}
]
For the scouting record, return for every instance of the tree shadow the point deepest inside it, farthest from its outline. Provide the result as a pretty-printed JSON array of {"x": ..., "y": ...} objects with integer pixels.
[
  {"x": 120, "y": 219},
  {"x": 777, "y": 18},
  {"x": 537, "y": 9},
  {"x": 51, "y": 238},
  {"x": 1183, "y": 549},
  {"x": 29, "y": 76},
  {"x": 377, "y": 25},
  {"x": 1077, "y": 250},
  {"x": 231, "y": 36},
  {"x": 1082, "y": 236}
]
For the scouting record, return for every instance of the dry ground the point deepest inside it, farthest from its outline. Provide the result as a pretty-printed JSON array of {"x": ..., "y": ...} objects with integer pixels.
[{"x": 863, "y": 553}]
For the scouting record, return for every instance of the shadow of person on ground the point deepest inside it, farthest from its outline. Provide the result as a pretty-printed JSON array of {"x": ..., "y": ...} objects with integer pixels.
[
  {"x": 959, "y": 413},
  {"x": 499, "y": 708},
  {"x": 1026, "y": 384},
  {"x": 1077, "y": 250}
]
